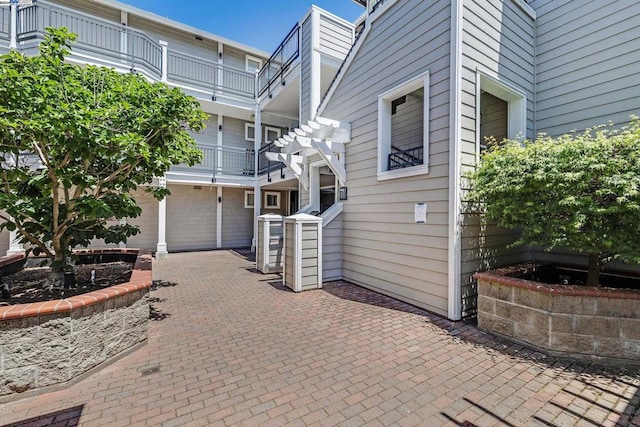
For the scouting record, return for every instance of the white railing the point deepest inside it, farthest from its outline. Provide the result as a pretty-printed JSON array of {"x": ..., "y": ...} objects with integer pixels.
[
  {"x": 220, "y": 160},
  {"x": 213, "y": 75},
  {"x": 5, "y": 22},
  {"x": 117, "y": 45}
]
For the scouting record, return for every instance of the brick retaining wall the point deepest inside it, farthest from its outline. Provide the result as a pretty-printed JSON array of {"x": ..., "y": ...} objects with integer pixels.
[
  {"x": 579, "y": 321},
  {"x": 52, "y": 342}
]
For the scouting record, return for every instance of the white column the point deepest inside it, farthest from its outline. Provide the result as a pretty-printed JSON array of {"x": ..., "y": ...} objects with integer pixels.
[
  {"x": 165, "y": 60},
  {"x": 220, "y": 63},
  {"x": 257, "y": 197},
  {"x": 219, "y": 219},
  {"x": 161, "y": 248},
  {"x": 316, "y": 66},
  {"x": 124, "y": 41},
  {"x": 15, "y": 247},
  {"x": 13, "y": 35}
]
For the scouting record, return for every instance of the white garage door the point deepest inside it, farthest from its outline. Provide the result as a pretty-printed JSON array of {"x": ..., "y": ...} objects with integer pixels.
[{"x": 191, "y": 218}]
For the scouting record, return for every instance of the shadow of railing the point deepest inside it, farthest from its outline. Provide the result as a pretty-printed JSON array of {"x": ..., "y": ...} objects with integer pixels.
[{"x": 69, "y": 417}]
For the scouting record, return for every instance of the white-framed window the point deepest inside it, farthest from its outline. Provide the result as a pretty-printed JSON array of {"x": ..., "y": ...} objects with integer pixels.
[
  {"x": 271, "y": 200},
  {"x": 403, "y": 129},
  {"x": 502, "y": 113},
  {"x": 271, "y": 133},
  {"x": 249, "y": 131},
  {"x": 252, "y": 64},
  {"x": 249, "y": 199}
]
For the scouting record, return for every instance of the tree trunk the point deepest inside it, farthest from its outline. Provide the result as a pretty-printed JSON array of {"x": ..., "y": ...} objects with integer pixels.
[
  {"x": 593, "y": 278},
  {"x": 56, "y": 277}
]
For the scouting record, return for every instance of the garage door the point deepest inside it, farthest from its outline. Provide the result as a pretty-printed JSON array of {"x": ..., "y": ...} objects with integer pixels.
[
  {"x": 191, "y": 218},
  {"x": 147, "y": 221}
]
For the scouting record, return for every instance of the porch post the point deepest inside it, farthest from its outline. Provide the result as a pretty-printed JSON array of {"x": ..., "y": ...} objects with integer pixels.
[
  {"x": 219, "y": 218},
  {"x": 165, "y": 60},
  {"x": 161, "y": 248},
  {"x": 257, "y": 198},
  {"x": 13, "y": 26},
  {"x": 15, "y": 247}
]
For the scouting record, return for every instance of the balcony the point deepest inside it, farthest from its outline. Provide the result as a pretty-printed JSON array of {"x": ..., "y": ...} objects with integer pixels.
[
  {"x": 222, "y": 161},
  {"x": 107, "y": 43},
  {"x": 274, "y": 69}
]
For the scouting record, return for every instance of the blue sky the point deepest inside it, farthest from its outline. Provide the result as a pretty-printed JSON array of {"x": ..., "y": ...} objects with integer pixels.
[{"x": 259, "y": 23}]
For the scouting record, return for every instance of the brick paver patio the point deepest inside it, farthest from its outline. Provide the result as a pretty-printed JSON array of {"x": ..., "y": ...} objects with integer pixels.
[{"x": 233, "y": 347}]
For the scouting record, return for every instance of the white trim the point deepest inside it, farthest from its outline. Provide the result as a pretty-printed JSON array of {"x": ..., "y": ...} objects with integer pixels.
[
  {"x": 219, "y": 201},
  {"x": 246, "y": 199},
  {"x": 516, "y": 99},
  {"x": 381, "y": 10},
  {"x": 384, "y": 127},
  {"x": 344, "y": 69},
  {"x": 248, "y": 125},
  {"x": 161, "y": 246},
  {"x": 267, "y": 129},
  {"x": 526, "y": 8},
  {"x": 315, "y": 92},
  {"x": 266, "y": 199},
  {"x": 454, "y": 303},
  {"x": 248, "y": 58},
  {"x": 332, "y": 213},
  {"x": 297, "y": 285}
]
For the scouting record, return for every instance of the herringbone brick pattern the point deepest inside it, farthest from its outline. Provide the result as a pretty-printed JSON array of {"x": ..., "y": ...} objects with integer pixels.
[{"x": 230, "y": 346}]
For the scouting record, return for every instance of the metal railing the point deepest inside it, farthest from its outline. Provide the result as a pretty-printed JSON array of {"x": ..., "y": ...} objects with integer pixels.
[
  {"x": 222, "y": 160},
  {"x": 5, "y": 23},
  {"x": 399, "y": 159},
  {"x": 210, "y": 74},
  {"x": 279, "y": 63},
  {"x": 117, "y": 45},
  {"x": 264, "y": 164}
]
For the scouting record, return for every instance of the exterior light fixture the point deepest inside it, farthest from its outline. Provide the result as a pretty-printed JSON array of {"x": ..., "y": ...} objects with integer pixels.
[{"x": 343, "y": 193}]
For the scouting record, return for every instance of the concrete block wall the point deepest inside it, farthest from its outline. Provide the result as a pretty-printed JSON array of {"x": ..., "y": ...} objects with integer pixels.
[{"x": 586, "y": 323}]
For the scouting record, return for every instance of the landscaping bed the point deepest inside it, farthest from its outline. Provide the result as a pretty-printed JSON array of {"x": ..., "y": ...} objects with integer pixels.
[
  {"x": 52, "y": 342},
  {"x": 592, "y": 323}
]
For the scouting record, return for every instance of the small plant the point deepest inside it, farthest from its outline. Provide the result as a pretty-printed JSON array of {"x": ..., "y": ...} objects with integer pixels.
[{"x": 579, "y": 191}]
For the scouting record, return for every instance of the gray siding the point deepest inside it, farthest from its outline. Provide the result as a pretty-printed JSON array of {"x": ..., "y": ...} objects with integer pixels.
[
  {"x": 147, "y": 221},
  {"x": 309, "y": 256},
  {"x": 306, "y": 80},
  {"x": 92, "y": 8},
  {"x": 498, "y": 37},
  {"x": 588, "y": 61},
  {"x": 332, "y": 250},
  {"x": 233, "y": 134},
  {"x": 178, "y": 41},
  {"x": 234, "y": 57},
  {"x": 336, "y": 37},
  {"x": 191, "y": 218},
  {"x": 407, "y": 126},
  {"x": 384, "y": 249},
  {"x": 289, "y": 254},
  {"x": 237, "y": 221}
]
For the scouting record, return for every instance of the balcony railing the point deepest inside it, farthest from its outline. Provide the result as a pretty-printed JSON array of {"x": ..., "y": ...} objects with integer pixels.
[
  {"x": 220, "y": 160},
  {"x": 274, "y": 69},
  {"x": 264, "y": 164},
  {"x": 111, "y": 44},
  {"x": 399, "y": 159},
  {"x": 221, "y": 78}
]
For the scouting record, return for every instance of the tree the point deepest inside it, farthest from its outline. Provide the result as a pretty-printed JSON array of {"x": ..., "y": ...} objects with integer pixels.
[
  {"x": 77, "y": 141},
  {"x": 576, "y": 191}
]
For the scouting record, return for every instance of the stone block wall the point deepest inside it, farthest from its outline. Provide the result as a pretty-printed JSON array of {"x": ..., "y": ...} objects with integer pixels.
[
  {"x": 581, "y": 322},
  {"x": 48, "y": 343}
]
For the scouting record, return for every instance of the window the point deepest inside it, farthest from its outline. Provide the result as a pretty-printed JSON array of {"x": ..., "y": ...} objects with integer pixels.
[
  {"x": 249, "y": 132},
  {"x": 502, "y": 113},
  {"x": 403, "y": 129},
  {"x": 248, "y": 199},
  {"x": 271, "y": 200},
  {"x": 253, "y": 64},
  {"x": 271, "y": 133}
]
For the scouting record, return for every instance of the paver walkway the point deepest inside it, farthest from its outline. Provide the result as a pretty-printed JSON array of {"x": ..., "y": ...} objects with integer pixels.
[{"x": 233, "y": 347}]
